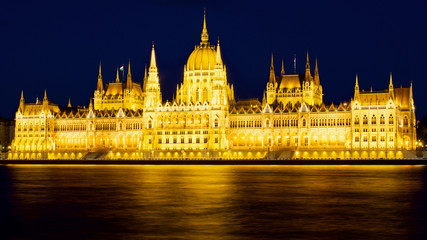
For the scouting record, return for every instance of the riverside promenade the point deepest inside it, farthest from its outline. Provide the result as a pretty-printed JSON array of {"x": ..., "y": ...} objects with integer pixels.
[{"x": 419, "y": 161}]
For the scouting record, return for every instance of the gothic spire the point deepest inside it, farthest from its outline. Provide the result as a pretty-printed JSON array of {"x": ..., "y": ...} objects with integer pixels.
[
  {"x": 69, "y": 103},
  {"x": 153, "y": 66},
  {"x": 272, "y": 73}
]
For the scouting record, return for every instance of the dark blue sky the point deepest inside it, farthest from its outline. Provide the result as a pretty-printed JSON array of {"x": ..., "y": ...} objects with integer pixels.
[{"x": 57, "y": 46}]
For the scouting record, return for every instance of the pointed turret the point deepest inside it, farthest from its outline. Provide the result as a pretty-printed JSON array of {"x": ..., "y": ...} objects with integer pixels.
[
  {"x": 69, "y": 103},
  {"x": 316, "y": 74},
  {"x": 390, "y": 87},
  {"x": 90, "y": 104},
  {"x": 205, "y": 35},
  {"x": 307, "y": 69},
  {"x": 283, "y": 69},
  {"x": 45, "y": 100},
  {"x": 117, "y": 76},
  {"x": 22, "y": 101},
  {"x": 129, "y": 78},
  {"x": 356, "y": 89},
  {"x": 218, "y": 60},
  {"x": 272, "y": 78},
  {"x": 100, "y": 84}
]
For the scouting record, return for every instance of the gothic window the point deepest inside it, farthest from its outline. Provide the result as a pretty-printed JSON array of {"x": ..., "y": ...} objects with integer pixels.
[
  {"x": 405, "y": 121},
  {"x": 267, "y": 123},
  {"x": 303, "y": 122},
  {"x": 365, "y": 120},
  {"x": 150, "y": 124},
  {"x": 382, "y": 119},
  {"x": 356, "y": 120},
  {"x": 216, "y": 123},
  {"x": 373, "y": 119},
  {"x": 390, "y": 119}
]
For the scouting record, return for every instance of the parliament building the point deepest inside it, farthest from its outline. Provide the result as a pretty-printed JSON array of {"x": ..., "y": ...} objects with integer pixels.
[{"x": 129, "y": 120}]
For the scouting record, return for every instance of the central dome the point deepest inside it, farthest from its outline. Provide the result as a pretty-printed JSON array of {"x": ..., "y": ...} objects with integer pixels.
[{"x": 202, "y": 58}]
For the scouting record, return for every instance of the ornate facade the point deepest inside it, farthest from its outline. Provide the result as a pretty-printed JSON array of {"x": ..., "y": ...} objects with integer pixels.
[{"x": 203, "y": 120}]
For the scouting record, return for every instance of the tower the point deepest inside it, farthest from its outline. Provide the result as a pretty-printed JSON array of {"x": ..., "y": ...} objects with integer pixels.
[{"x": 152, "y": 94}]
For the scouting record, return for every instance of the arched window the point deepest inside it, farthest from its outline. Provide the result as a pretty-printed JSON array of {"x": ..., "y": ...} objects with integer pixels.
[
  {"x": 356, "y": 120},
  {"x": 303, "y": 122},
  {"x": 365, "y": 120},
  {"x": 373, "y": 119},
  {"x": 267, "y": 123},
  {"x": 405, "y": 121},
  {"x": 390, "y": 119},
  {"x": 216, "y": 122},
  {"x": 382, "y": 119},
  {"x": 150, "y": 124}
]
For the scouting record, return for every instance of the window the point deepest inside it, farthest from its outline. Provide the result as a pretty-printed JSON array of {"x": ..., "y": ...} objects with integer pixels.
[
  {"x": 356, "y": 120},
  {"x": 374, "y": 138},
  {"x": 150, "y": 124},
  {"x": 197, "y": 140},
  {"x": 205, "y": 140},
  {"x": 382, "y": 138},
  {"x": 216, "y": 140},
  {"x": 382, "y": 119},
  {"x": 356, "y": 139},
  {"x": 365, "y": 138},
  {"x": 365, "y": 120},
  {"x": 190, "y": 140},
  {"x": 216, "y": 123},
  {"x": 303, "y": 122},
  {"x": 405, "y": 121},
  {"x": 374, "y": 119},
  {"x": 390, "y": 119}
]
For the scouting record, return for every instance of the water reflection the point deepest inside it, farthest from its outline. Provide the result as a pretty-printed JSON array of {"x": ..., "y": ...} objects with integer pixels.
[{"x": 214, "y": 202}]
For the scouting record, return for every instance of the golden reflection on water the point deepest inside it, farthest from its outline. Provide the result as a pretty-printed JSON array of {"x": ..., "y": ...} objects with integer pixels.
[{"x": 219, "y": 202}]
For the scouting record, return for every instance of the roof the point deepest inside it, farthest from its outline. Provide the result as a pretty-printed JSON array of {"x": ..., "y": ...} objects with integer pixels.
[{"x": 291, "y": 81}]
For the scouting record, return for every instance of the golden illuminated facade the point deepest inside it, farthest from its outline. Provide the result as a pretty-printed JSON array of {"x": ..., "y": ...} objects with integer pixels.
[{"x": 203, "y": 121}]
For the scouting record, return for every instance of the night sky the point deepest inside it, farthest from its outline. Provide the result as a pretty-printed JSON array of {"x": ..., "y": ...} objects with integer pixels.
[{"x": 57, "y": 46}]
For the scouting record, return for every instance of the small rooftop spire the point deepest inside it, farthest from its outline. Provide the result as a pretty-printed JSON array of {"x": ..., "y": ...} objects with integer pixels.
[
  {"x": 129, "y": 78},
  {"x": 283, "y": 69},
  {"x": 117, "y": 76},
  {"x": 69, "y": 103},
  {"x": 22, "y": 94},
  {"x": 45, "y": 95},
  {"x": 391, "y": 81},
  {"x": 307, "y": 65}
]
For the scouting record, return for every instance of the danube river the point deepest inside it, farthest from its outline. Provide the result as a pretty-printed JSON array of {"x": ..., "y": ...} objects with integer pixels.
[{"x": 212, "y": 202}]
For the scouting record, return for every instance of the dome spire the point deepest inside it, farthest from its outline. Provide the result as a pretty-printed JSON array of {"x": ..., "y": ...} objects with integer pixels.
[{"x": 205, "y": 35}]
